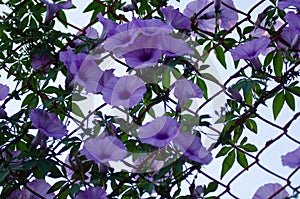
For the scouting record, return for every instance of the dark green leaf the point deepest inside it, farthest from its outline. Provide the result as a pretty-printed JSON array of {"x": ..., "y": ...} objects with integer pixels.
[
  {"x": 251, "y": 125},
  {"x": 3, "y": 175},
  {"x": 77, "y": 111},
  {"x": 228, "y": 163},
  {"x": 220, "y": 55},
  {"x": 268, "y": 58},
  {"x": 211, "y": 187},
  {"x": 241, "y": 158},
  {"x": 278, "y": 64},
  {"x": 295, "y": 90},
  {"x": 290, "y": 100},
  {"x": 278, "y": 104},
  {"x": 223, "y": 151},
  {"x": 56, "y": 186},
  {"x": 249, "y": 147}
]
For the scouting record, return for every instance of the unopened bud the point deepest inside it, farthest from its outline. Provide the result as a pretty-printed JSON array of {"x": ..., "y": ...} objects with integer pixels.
[
  {"x": 217, "y": 4},
  {"x": 128, "y": 8},
  {"x": 3, "y": 114},
  {"x": 235, "y": 94},
  {"x": 256, "y": 63}
]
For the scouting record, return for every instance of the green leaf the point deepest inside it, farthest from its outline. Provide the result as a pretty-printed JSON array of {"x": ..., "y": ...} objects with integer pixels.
[
  {"x": 166, "y": 79},
  {"x": 241, "y": 158},
  {"x": 31, "y": 100},
  {"x": 251, "y": 125},
  {"x": 228, "y": 163},
  {"x": 269, "y": 58},
  {"x": 78, "y": 97},
  {"x": 77, "y": 111},
  {"x": 3, "y": 175},
  {"x": 203, "y": 87},
  {"x": 223, "y": 151},
  {"x": 249, "y": 147},
  {"x": 290, "y": 100},
  {"x": 295, "y": 90},
  {"x": 220, "y": 56},
  {"x": 278, "y": 104},
  {"x": 92, "y": 6},
  {"x": 278, "y": 64},
  {"x": 56, "y": 186},
  {"x": 211, "y": 187}
]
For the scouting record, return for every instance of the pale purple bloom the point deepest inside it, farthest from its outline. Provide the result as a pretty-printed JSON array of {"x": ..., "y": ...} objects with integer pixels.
[
  {"x": 291, "y": 159},
  {"x": 53, "y": 8},
  {"x": 293, "y": 21},
  {"x": 206, "y": 20},
  {"x": 85, "y": 70},
  {"x": 159, "y": 132},
  {"x": 48, "y": 123},
  {"x": 175, "y": 18},
  {"x": 92, "y": 193},
  {"x": 40, "y": 60},
  {"x": 186, "y": 89},
  {"x": 282, "y": 4},
  {"x": 151, "y": 27},
  {"x": 105, "y": 77},
  {"x": 104, "y": 149},
  {"x": 108, "y": 25},
  {"x": 289, "y": 39},
  {"x": 126, "y": 91},
  {"x": 90, "y": 32},
  {"x": 4, "y": 90},
  {"x": 39, "y": 186},
  {"x": 192, "y": 147},
  {"x": 268, "y": 190},
  {"x": 250, "y": 49}
]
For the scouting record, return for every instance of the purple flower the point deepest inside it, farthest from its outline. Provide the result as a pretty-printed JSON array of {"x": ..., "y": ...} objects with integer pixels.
[
  {"x": 85, "y": 70},
  {"x": 206, "y": 20},
  {"x": 104, "y": 149},
  {"x": 250, "y": 49},
  {"x": 175, "y": 18},
  {"x": 40, "y": 60},
  {"x": 289, "y": 39},
  {"x": 105, "y": 77},
  {"x": 268, "y": 190},
  {"x": 92, "y": 193},
  {"x": 186, "y": 89},
  {"x": 108, "y": 25},
  {"x": 4, "y": 90},
  {"x": 151, "y": 27},
  {"x": 192, "y": 147},
  {"x": 91, "y": 33},
  {"x": 291, "y": 159},
  {"x": 53, "y": 8},
  {"x": 159, "y": 132},
  {"x": 40, "y": 186},
  {"x": 48, "y": 123},
  {"x": 293, "y": 21},
  {"x": 125, "y": 91},
  {"x": 282, "y": 4}
]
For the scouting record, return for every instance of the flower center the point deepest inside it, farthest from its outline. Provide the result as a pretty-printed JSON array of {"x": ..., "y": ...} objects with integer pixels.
[
  {"x": 125, "y": 95},
  {"x": 162, "y": 136}
]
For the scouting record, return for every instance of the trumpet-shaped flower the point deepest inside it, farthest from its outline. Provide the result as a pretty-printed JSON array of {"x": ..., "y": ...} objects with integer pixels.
[
  {"x": 291, "y": 159},
  {"x": 175, "y": 18},
  {"x": 53, "y": 8},
  {"x": 268, "y": 190},
  {"x": 126, "y": 91},
  {"x": 104, "y": 149},
  {"x": 192, "y": 147},
  {"x": 48, "y": 123},
  {"x": 159, "y": 132}
]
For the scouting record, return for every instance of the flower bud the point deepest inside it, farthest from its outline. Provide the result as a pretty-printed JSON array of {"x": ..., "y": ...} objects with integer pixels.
[
  {"x": 217, "y": 4},
  {"x": 235, "y": 94}
]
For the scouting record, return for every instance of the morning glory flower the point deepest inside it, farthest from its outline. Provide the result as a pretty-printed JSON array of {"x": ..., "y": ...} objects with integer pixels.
[
  {"x": 48, "y": 123},
  {"x": 159, "y": 132},
  {"x": 84, "y": 69},
  {"x": 192, "y": 147},
  {"x": 4, "y": 90},
  {"x": 91, "y": 33},
  {"x": 126, "y": 91},
  {"x": 104, "y": 149},
  {"x": 206, "y": 20},
  {"x": 39, "y": 186},
  {"x": 291, "y": 159},
  {"x": 92, "y": 193},
  {"x": 268, "y": 190},
  {"x": 175, "y": 18},
  {"x": 250, "y": 50},
  {"x": 53, "y": 8},
  {"x": 282, "y": 4},
  {"x": 108, "y": 25},
  {"x": 289, "y": 39},
  {"x": 186, "y": 89},
  {"x": 40, "y": 60},
  {"x": 293, "y": 21},
  {"x": 151, "y": 27}
]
